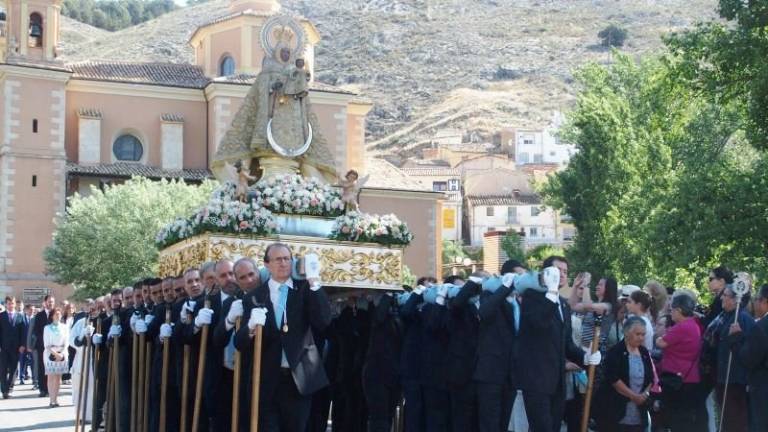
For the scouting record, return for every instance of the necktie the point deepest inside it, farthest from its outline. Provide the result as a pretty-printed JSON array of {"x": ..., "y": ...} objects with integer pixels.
[
  {"x": 279, "y": 313},
  {"x": 229, "y": 353},
  {"x": 515, "y": 313}
]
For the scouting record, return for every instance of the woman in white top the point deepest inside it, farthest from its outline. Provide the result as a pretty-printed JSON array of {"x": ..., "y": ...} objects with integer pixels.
[
  {"x": 55, "y": 355},
  {"x": 638, "y": 304}
]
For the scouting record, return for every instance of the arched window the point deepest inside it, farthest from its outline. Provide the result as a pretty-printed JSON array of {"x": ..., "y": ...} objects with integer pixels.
[
  {"x": 227, "y": 66},
  {"x": 127, "y": 148},
  {"x": 35, "y": 30}
]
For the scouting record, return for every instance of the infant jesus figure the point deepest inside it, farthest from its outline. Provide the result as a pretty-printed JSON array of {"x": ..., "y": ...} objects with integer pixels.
[{"x": 350, "y": 187}]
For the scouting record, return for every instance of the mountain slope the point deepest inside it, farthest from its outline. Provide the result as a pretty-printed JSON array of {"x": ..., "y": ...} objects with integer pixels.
[{"x": 478, "y": 65}]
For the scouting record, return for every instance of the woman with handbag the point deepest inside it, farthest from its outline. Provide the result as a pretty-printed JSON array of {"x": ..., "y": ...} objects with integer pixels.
[
  {"x": 623, "y": 396},
  {"x": 56, "y": 342},
  {"x": 683, "y": 400}
]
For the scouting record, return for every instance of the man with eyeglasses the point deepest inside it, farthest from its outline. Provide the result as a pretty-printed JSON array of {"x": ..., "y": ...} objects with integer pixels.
[
  {"x": 752, "y": 351},
  {"x": 289, "y": 311}
]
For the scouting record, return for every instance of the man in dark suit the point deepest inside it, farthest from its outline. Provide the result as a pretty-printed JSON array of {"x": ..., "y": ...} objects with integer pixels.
[
  {"x": 752, "y": 351},
  {"x": 25, "y": 358},
  {"x": 545, "y": 343},
  {"x": 42, "y": 319},
  {"x": 292, "y": 369},
  {"x": 12, "y": 341}
]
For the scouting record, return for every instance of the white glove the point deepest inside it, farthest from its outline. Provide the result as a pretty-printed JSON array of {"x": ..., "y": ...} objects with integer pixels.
[
  {"x": 258, "y": 317},
  {"x": 235, "y": 312},
  {"x": 186, "y": 309},
  {"x": 419, "y": 290},
  {"x": 148, "y": 319},
  {"x": 97, "y": 338},
  {"x": 140, "y": 327},
  {"x": 508, "y": 279},
  {"x": 315, "y": 284},
  {"x": 593, "y": 359},
  {"x": 476, "y": 279},
  {"x": 204, "y": 317},
  {"x": 165, "y": 331},
  {"x": 114, "y": 331},
  {"x": 442, "y": 291},
  {"x": 551, "y": 279},
  {"x": 87, "y": 331},
  {"x": 133, "y": 320}
]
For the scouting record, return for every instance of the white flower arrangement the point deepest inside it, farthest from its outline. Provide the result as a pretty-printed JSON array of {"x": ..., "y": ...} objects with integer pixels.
[
  {"x": 294, "y": 194},
  {"x": 363, "y": 227},
  {"x": 220, "y": 215}
]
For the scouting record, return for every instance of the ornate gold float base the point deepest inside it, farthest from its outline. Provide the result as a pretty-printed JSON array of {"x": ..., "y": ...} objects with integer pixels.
[{"x": 345, "y": 264}]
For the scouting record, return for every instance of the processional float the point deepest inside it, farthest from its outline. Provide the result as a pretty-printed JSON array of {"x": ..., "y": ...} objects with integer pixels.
[{"x": 279, "y": 183}]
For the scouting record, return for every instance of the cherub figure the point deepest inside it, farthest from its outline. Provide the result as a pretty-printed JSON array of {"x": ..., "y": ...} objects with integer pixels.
[
  {"x": 351, "y": 187},
  {"x": 243, "y": 177}
]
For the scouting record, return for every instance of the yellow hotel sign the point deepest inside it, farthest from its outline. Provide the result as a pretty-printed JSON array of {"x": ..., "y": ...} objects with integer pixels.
[{"x": 449, "y": 218}]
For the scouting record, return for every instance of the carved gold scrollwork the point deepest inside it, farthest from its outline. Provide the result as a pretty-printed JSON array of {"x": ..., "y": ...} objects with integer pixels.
[{"x": 344, "y": 264}]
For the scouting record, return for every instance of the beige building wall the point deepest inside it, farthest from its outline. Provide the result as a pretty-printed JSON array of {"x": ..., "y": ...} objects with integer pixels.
[
  {"x": 144, "y": 122},
  {"x": 228, "y": 42},
  {"x": 419, "y": 210}
]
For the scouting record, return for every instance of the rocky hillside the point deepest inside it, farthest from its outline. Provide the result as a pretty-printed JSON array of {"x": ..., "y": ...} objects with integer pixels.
[{"x": 473, "y": 64}]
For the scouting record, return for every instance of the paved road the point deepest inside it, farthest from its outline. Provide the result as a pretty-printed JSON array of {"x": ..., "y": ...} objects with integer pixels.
[{"x": 26, "y": 412}]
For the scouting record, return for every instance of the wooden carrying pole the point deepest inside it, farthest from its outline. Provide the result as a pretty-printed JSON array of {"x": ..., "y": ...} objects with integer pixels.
[
  {"x": 83, "y": 361},
  {"x": 87, "y": 359},
  {"x": 96, "y": 358},
  {"x": 139, "y": 375},
  {"x": 184, "y": 390},
  {"x": 110, "y": 393},
  {"x": 164, "y": 376},
  {"x": 116, "y": 377},
  {"x": 236, "y": 386},
  {"x": 134, "y": 377},
  {"x": 256, "y": 379},
  {"x": 594, "y": 346},
  {"x": 148, "y": 366},
  {"x": 200, "y": 370}
]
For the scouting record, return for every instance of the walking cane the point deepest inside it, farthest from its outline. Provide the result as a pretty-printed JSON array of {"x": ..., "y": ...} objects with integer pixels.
[
  {"x": 200, "y": 370},
  {"x": 139, "y": 376},
  {"x": 594, "y": 346},
  {"x": 740, "y": 289},
  {"x": 116, "y": 359},
  {"x": 236, "y": 386},
  {"x": 113, "y": 395},
  {"x": 110, "y": 392},
  {"x": 96, "y": 357},
  {"x": 145, "y": 411},
  {"x": 256, "y": 377},
  {"x": 87, "y": 359},
  {"x": 164, "y": 379},
  {"x": 184, "y": 389},
  {"x": 83, "y": 359},
  {"x": 134, "y": 377}
]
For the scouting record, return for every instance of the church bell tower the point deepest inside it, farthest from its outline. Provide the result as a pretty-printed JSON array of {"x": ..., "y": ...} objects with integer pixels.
[{"x": 29, "y": 29}]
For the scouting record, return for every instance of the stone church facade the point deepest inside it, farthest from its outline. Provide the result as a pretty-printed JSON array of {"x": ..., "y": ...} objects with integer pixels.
[{"x": 67, "y": 127}]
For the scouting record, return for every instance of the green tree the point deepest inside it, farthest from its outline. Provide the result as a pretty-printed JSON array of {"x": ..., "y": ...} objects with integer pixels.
[
  {"x": 452, "y": 250},
  {"x": 106, "y": 240},
  {"x": 512, "y": 245},
  {"x": 725, "y": 62},
  {"x": 536, "y": 256},
  {"x": 612, "y": 36}
]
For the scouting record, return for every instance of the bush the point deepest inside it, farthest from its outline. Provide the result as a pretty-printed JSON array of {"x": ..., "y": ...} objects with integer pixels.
[{"x": 612, "y": 36}]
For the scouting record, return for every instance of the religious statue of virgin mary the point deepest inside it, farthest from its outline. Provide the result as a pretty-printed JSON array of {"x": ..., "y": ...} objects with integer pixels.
[{"x": 275, "y": 130}]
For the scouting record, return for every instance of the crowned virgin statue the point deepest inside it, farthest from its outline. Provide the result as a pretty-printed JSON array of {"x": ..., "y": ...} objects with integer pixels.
[{"x": 275, "y": 130}]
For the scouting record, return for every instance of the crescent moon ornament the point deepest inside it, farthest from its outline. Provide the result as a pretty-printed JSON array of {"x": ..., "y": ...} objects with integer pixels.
[{"x": 286, "y": 152}]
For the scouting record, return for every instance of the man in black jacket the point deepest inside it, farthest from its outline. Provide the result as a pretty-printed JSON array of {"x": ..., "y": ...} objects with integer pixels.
[
  {"x": 42, "y": 319},
  {"x": 12, "y": 344},
  {"x": 545, "y": 343},
  {"x": 380, "y": 372},
  {"x": 752, "y": 351},
  {"x": 292, "y": 369}
]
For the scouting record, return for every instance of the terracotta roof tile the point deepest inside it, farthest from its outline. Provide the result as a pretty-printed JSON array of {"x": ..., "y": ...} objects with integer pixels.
[
  {"x": 488, "y": 200},
  {"x": 384, "y": 175},
  {"x": 166, "y": 74},
  {"x": 314, "y": 85},
  {"x": 127, "y": 170},
  {"x": 172, "y": 117}
]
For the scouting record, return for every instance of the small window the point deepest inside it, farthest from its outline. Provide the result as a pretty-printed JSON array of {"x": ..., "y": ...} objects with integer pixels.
[
  {"x": 552, "y": 153},
  {"x": 489, "y": 211},
  {"x": 538, "y": 158},
  {"x": 34, "y": 125},
  {"x": 535, "y": 211},
  {"x": 127, "y": 148},
  {"x": 227, "y": 66},
  {"x": 528, "y": 140},
  {"x": 491, "y": 229},
  {"x": 35, "y": 30},
  {"x": 511, "y": 215},
  {"x": 34, "y": 181},
  {"x": 523, "y": 158},
  {"x": 533, "y": 232},
  {"x": 439, "y": 186}
]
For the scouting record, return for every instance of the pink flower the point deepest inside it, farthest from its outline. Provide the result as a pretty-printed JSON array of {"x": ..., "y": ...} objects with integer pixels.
[
  {"x": 244, "y": 224},
  {"x": 345, "y": 229}
]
